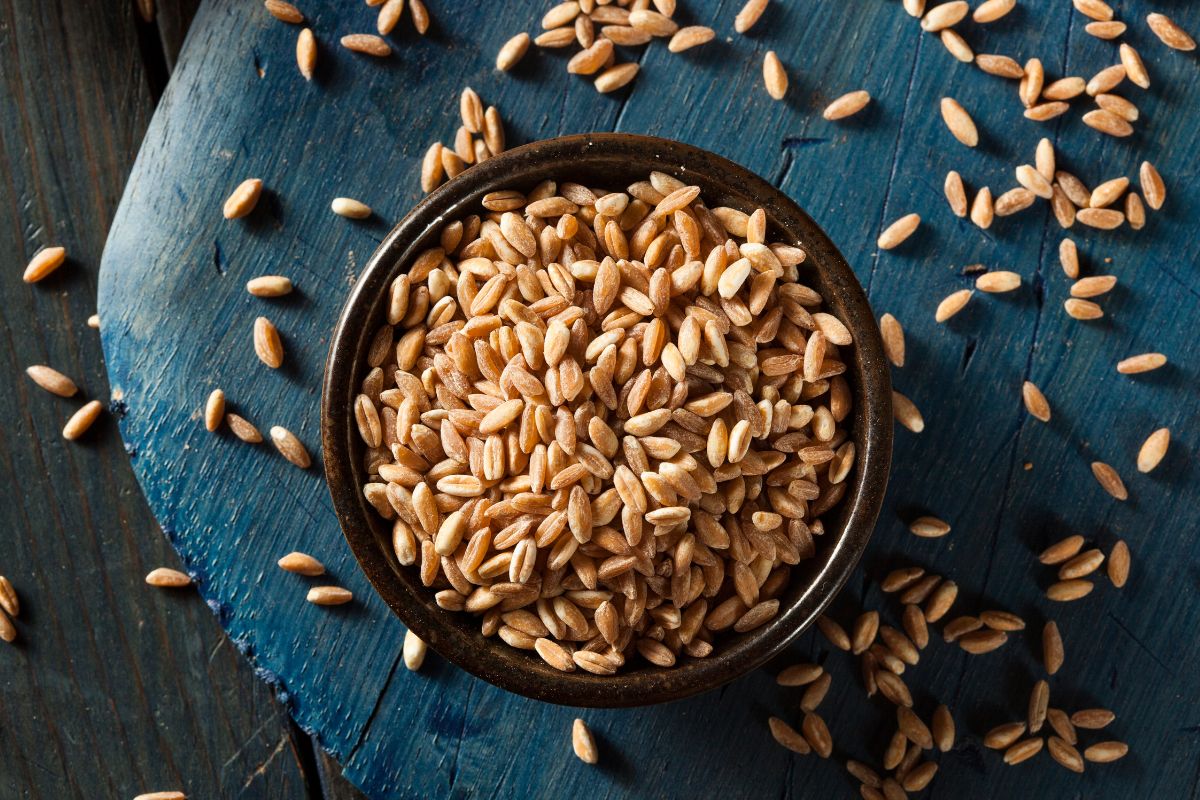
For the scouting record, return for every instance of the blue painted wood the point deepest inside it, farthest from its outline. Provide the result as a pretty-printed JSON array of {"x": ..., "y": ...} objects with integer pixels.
[{"x": 177, "y": 323}]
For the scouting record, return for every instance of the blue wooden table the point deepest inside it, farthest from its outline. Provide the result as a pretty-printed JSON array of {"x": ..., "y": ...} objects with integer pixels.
[{"x": 177, "y": 323}]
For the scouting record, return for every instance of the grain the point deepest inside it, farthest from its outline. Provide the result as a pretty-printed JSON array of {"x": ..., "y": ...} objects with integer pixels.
[
  {"x": 389, "y": 16},
  {"x": 214, "y": 410},
  {"x": 816, "y": 733},
  {"x": 267, "y": 344},
  {"x": 913, "y": 728},
  {"x": 833, "y": 632},
  {"x": 166, "y": 795},
  {"x": 1107, "y": 122},
  {"x": 1002, "y": 621},
  {"x": 329, "y": 596},
  {"x": 1170, "y": 33},
  {"x": 940, "y": 601},
  {"x": 1068, "y": 257},
  {"x": 1003, "y": 736},
  {"x": 1062, "y": 550},
  {"x": 1067, "y": 591},
  {"x": 928, "y": 527},
  {"x": 1046, "y": 111},
  {"x": 864, "y": 631},
  {"x": 979, "y": 642},
  {"x": 284, "y": 11},
  {"x": 413, "y": 651},
  {"x": 1035, "y": 402},
  {"x": 165, "y": 577},
  {"x": 615, "y": 77},
  {"x": 992, "y": 10},
  {"x": 1118, "y": 564},
  {"x": 350, "y": 208},
  {"x": 1029, "y": 177},
  {"x": 290, "y": 447},
  {"x": 956, "y": 193},
  {"x": 983, "y": 212},
  {"x": 1052, "y": 648},
  {"x": 1094, "y": 9},
  {"x": 242, "y": 428},
  {"x": 952, "y": 304},
  {"x": 243, "y": 200},
  {"x": 907, "y": 413},
  {"x": 1045, "y": 158},
  {"x": 956, "y": 45},
  {"x": 1144, "y": 362},
  {"x": 1064, "y": 89},
  {"x": 1014, "y": 200},
  {"x": 1109, "y": 480},
  {"x": 94, "y": 321},
  {"x": 269, "y": 286},
  {"x": 893, "y": 339},
  {"x": 898, "y": 231},
  {"x": 1083, "y": 309},
  {"x": 689, "y": 37},
  {"x": 863, "y": 773},
  {"x": 1152, "y": 186},
  {"x": 913, "y": 620},
  {"x": 1135, "y": 211},
  {"x": 1030, "y": 87},
  {"x": 1092, "y": 719},
  {"x": 1060, "y": 723},
  {"x": 1000, "y": 66},
  {"x": 847, "y": 105},
  {"x": 512, "y": 52},
  {"x": 1153, "y": 450},
  {"x": 1101, "y": 218},
  {"x": 1023, "y": 751},
  {"x": 799, "y": 675},
  {"x": 1039, "y": 702},
  {"x": 81, "y": 420},
  {"x": 749, "y": 14},
  {"x": 9, "y": 602},
  {"x": 788, "y": 737},
  {"x": 420, "y": 16},
  {"x": 944, "y": 16},
  {"x": 366, "y": 43},
  {"x": 583, "y": 743},
  {"x": 774, "y": 76},
  {"x": 1107, "y": 30},
  {"x": 914, "y": 8},
  {"x": 1135, "y": 70},
  {"x": 43, "y": 263},
  {"x": 1106, "y": 752},
  {"x": 1093, "y": 285},
  {"x": 52, "y": 380},
  {"x": 306, "y": 53},
  {"x": 943, "y": 729},
  {"x": 8, "y": 631},
  {"x": 301, "y": 564},
  {"x": 998, "y": 282},
  {"x": 959, "y": 122}
]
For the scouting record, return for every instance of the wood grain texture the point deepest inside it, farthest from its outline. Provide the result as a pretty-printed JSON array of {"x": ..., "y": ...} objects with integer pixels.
[
  {"x": 180, "y": 325},
  {"x": 112, "y": 688}
]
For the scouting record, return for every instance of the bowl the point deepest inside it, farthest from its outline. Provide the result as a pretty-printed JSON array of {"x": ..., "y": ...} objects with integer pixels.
[{"x": 613, "y": 160}]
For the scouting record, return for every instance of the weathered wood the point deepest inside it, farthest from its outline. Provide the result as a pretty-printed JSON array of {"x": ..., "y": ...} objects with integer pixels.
[
  {"x": 112, "y": 688},
  {"x": 180, "y": 324}
]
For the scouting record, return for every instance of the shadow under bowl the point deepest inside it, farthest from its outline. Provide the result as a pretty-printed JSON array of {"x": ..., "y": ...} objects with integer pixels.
[{"x": 613, "y": 160}]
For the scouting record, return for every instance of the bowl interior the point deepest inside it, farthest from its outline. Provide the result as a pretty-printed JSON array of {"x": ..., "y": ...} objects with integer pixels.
[{"x": 614, "y": 161}]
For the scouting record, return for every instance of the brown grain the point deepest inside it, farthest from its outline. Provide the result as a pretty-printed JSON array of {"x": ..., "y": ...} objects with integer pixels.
[
  {"x": 52, "y": 380},
  {"x": 306, "y": 53},
  {"x": 1170, "y": 33},
  {"x": 1052, "y": 648},
  {"x": 893, "y": 339},
  {"x": 1153, "y": 450},
  {"x": 81, "y": 420},
  {"x": 774, "y": 76},
  {"x": 898, "y": 231},
  {"x": 1109, "y": 480},
  {"x": 1035, "y": 402},
  {"x": 583, "y": 743},
  {"x": 165, "y": 577},
  {"x": 847, "y": 105},
  {"x": 1118, "y": 564},
  {"x": 959, "y": 122},
  {"x": 512, "y": 51},
  {"x": 290, "y": 447},
  {"x": 267, "y": 344},
  {"x": 43, "y": 263},
  {"x": 301, "y": 564}
]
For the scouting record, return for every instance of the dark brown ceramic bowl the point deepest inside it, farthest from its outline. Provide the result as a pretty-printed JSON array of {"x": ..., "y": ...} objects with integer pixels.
[{"x": 611, "y": 160}]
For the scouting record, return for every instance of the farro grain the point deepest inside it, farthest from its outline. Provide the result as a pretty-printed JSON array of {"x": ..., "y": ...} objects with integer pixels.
[
  {"x": 992, "y": 10},
  {"x": 1023, "y": 751},
  {"x": 306, "y": 53},
  {"x": 1035, "y": 402},
  {"x": 1039, "y": 702},
  {"x": 833, "y": 632},
  {"x": 301, "y": 564},
  {"x": 1062, "y": 550},
  {"x": 893, "y": 339},
  {"x": 816, "y": 733},
  {"x": 1135, "y": 70},
  {"x": 1108, "y": 192},
  {"x": 413, "y": 651},
  {"x": 913, "y": 728},
  {"x": 1083, "y": 309},
  {"x": 1152, "y": 186},
  {"x": 1066, "y": 591},
  {"x": 1060, "y": 723},
  {"x": 956, "y": 193},
  {"x": 978, "y": 642},
  {"x": 1107, "y": 122},
  {"x": 799, "y": 675},
  {"x": 1118, "y": 105},
  {"x": 864, "y": 631},
  {"x": 1002, "y": 621},
  {"x": 389, "y": 16},
  {"x": 615, "y": 77},
  {"x": 1068, "y": 257},
  {"x": 952, "y": 304},
  {"x": 847, "y": 105},
  {"x": 983, "y": 212},
  {"x": 907, "y": 413},
  {"x": 43, "y": 263},
  {"x": 242, "y": 428},
  {"x": 1013, "y": 201},
  {"x": 81, "y": 420},
  {"x": 52, "y": 380},
  {"x": 1153, "y": 450},
  {"x": 1004, "y": 736},
  {"x": 928, "y": 527},
  {"x": 863, "y": 774},
  {"x": 367, "y": 44},
  {"x": 165, "y": 577},
  {"x": 1030, "y": 87},
  {"x": 583, "y": 743},
  {"x": 915, "y": 627},
  {"x": 901, "y": 578},
  {"x": 512, "y": 52},
  {"x": 267, "y": 344},
  {"x": 214, "y": 410},
  {"x": 959, "y": 122},
  {"x": 1094, "y": 9},
  {"x": 689, "y": 37},
  {"x": 1000, "y": 66},
  {"x": 269, "y": 286},
  {"x": 290, "y": 447},
  {"x": 815, "y": 693},
  {"x": 1118, "y": 564},
  {"x": 350, "y": 208},
  {"x": 898, "y": 231},
  {"x": 1092, "y": 719},
  {"x": 243, "y": 200},
  {"x": 1135, "y": 211},
  {"x": 284, "y": 11},
  {"x": 774, "y": 76},
  {"x": 1093, "y": 285},
  {"x": 749, "y": 14},
  {"x": 94, "y": 321},
  {"x": 1064, "y": 89},
  {"x": 943, "y": 729},
  {"x": 998, "y": 282},
  {"x": 956, "y": 45},
  {"x": 9, "y": 602},
  {"x": 1066, "y": 755},
  {"x": 1046, "y": 111},
  {"x": 420, "y": 16},
  {"x": 1109, "y": 480},
  {"x": 1110, "y": 29},
  {"x": 944, "y": 15},
  {"x": 940, "y": 601},
  {"x": 788, "y": 736},
  {"x": 1169, "y": 33}
]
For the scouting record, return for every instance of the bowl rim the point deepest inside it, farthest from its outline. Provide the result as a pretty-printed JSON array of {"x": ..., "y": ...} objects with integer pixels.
[{"x": 518, "y": 671}]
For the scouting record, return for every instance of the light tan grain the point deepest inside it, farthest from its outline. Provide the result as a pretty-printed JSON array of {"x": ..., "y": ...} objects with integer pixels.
[
  {"x": 1169, "y": 33},
  {"x": 165, "y": 577},
  {"x": 44, "y": 262},
  {"x": 1153, "y": 450}
]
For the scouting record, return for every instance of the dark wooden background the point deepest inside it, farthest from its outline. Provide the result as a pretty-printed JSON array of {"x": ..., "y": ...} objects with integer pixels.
[
  {"x": 111, "y": 689},
  {"x": 177, "y": 322}
]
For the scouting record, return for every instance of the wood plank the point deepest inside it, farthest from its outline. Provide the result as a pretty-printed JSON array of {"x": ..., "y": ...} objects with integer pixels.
[
  {"x": 360, "y": 129},
  {"x": 112, "y": 688}
]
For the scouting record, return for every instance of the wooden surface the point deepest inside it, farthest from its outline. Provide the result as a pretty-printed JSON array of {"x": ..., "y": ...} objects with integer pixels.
[
  {"x": 178, "y": 322},
  {"x": 112, "y": 688}
]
